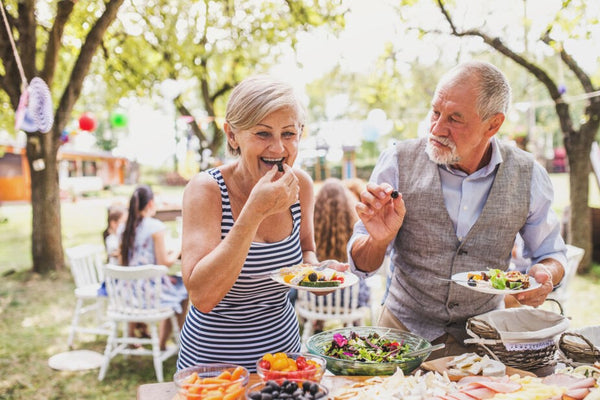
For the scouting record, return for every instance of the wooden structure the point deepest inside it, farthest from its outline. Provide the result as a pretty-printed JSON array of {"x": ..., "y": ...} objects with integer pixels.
[{"x": 79, "y": 171}]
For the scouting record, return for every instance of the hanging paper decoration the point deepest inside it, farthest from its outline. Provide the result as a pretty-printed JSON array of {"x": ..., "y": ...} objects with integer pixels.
[
  {"x": 20, "y": 113},
  {"x": 34, "y": 113},
  {"x": 35, "y": 103},
  {"x": 562, "y": 88},
  {"x": 64, "y": 136},
  {"x": 40, "y": 104},
  {"x": 188, "y": 119},
  {"x": 87, "y": 122},
  {"x": 27, "y": 123},
  {"x": 118, "y": 119}
]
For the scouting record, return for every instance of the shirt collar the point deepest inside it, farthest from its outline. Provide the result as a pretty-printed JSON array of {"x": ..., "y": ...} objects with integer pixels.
[{"x": 490, "y": 168}]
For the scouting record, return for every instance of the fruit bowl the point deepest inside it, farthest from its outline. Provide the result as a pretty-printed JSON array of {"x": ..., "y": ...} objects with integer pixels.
[
  {"x": 297, "y": 366},
  {"x": 194, "y": 383},
  {"x": 287, "y": 389},
  {"x": 318, "y": 343}
]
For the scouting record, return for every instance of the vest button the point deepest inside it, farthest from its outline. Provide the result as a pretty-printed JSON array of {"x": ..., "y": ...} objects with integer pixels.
[
  {"x": 462, "y": 252},
  {"x": 452, "y": 305}
]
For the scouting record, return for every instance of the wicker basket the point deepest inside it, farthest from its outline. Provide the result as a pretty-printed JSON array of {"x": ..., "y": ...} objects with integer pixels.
[
  {"x": 526, "y": 359},
  {"x": 520, "y": 337},
  {"x": 580, "y": 347}
]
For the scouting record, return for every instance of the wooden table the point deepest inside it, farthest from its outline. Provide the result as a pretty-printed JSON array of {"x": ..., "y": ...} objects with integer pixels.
[
  {"x": 167, "y": 390},
  {"x": 168, "y": 213}
]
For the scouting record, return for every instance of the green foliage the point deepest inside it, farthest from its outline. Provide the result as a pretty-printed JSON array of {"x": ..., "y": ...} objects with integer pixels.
[{"x": 209, "y": 45}]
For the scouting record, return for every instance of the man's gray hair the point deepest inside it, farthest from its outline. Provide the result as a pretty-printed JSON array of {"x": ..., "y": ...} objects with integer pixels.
[{"x": 494, "y": 91}]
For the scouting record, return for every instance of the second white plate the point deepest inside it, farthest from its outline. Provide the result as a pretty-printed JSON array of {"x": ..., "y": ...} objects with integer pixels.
[{"x": 486, "y": 286}]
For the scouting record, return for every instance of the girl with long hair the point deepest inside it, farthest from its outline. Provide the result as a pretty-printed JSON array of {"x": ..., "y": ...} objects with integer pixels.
[{"x": 143, "y": 242}]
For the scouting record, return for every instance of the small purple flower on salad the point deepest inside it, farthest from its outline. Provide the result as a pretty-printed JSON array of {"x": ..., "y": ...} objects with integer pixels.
[{"x": 340, "y": 339}]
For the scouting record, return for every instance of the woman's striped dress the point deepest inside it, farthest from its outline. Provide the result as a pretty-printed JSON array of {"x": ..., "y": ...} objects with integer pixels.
[{"x": 255, "y": 317}]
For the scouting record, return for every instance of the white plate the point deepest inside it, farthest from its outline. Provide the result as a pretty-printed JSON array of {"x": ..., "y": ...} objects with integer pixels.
[
  {"x": 349, "y": 280},
  {"x": 486, "y": 286}
]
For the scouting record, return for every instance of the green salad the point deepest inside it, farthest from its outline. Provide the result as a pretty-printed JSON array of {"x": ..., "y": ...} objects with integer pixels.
[
  {"x": 499, "y": 280},
  {"x": 371, "y": 348}
]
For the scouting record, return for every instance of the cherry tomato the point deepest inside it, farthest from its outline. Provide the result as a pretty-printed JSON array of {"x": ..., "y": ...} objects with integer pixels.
[
  {"x": 301, "y": 362},
  {"x": 264, "y": 364}
]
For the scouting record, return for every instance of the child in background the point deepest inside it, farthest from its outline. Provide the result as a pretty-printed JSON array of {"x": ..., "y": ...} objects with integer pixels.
[
  {"x": 117, "y": 215},
  {"x": 143, "y": 242},
  {"x": 334, "y": 219}
]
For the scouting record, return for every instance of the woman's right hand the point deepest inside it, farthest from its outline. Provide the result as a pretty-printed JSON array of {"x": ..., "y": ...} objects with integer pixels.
[{"x": 275, "y": 192}]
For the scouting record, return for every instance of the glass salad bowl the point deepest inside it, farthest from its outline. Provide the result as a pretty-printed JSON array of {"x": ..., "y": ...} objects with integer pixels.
[{"x": 392, "y": 340}]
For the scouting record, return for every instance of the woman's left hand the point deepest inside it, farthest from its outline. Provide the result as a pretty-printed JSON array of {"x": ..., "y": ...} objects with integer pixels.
[{"x": 334, "y": 264}]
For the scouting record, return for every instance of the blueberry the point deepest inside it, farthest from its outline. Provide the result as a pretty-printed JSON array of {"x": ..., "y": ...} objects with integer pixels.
[
  {"x": 293, "y": 386},
  {"x": 306, "y": 386},
  {"x": 314, "y": 388}
]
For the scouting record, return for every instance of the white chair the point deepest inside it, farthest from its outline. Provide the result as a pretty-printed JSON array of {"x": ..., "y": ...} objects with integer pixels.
[
  {"x": 134, "y": 296},
  {"x": 86, "y": 262},
  {"x": 341, "y": 306},
  {"x": 574, "y": 257}
]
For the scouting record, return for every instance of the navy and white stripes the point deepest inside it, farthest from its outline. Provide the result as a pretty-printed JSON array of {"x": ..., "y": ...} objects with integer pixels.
[{"x": 255, "y": 317}]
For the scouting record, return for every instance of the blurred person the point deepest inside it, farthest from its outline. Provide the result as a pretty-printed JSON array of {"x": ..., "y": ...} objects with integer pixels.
[
  {"x": 143, "y": 241},
  {"x": 251, "y": 216},
  {"x": 461, "y": 198},
  {"x": 116, "y": 217},
  {"x": 334, "y": 219},
  {"x": 356, "y": 186}
]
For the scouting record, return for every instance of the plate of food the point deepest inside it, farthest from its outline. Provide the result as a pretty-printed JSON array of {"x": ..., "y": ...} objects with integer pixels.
[
  {"x": 496, "y": 281},
  {"x": 471, "y": 364},
  {"x": 310, "y": 277}
]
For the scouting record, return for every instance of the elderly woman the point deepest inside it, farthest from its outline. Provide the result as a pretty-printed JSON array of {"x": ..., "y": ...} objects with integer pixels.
[{"x": 248, "y": 217}]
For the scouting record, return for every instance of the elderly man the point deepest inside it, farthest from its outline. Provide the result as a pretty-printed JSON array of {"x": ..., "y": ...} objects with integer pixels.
[{"x": 464, "y": 196}]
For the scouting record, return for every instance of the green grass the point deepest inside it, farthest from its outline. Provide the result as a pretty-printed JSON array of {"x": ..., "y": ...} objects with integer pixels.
[
  {"x": 35, "y": 312},
  {"x": 34, "y": 326}
]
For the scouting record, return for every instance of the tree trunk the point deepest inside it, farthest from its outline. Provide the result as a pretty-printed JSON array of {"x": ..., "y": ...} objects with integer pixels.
[
  {"x": 580, "y": 221},
  {"x": 46, "y": 238}
]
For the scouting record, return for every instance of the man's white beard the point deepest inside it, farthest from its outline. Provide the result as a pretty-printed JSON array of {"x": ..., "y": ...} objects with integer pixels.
[{"x": 447, "y": 156}]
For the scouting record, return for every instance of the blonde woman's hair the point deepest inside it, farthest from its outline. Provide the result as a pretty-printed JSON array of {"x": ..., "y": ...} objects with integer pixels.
[{"x": 256, "y": 97}]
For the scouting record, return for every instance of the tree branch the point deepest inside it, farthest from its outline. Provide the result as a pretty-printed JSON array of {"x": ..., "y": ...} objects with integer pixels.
[
  {"x": 183, "y": 110},
  {"x": 26, "y": 44},
  {"x": 582, "y": 77},
  {"x": 64, "y": 8},
  {"x": 82, "y": 64},
  {"x": 562, "y": 108}
]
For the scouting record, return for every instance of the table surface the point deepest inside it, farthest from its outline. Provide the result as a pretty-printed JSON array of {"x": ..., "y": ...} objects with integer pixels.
[{"x": 167, "y": 390}]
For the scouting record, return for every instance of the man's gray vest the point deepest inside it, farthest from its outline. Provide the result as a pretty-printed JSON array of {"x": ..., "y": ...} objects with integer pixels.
[{"x": 427, "y": 247}]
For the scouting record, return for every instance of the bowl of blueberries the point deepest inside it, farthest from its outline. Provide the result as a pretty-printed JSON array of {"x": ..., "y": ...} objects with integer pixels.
[{"x": 288, "y": 389}]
